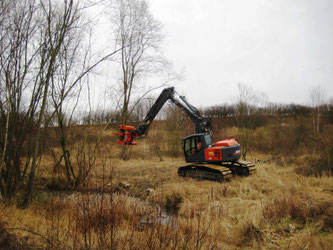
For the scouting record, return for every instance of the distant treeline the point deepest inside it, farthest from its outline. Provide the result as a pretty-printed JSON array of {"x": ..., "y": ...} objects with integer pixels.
[
  {"x": 216, "y": 111},
  {"x": 229, "y": 110}
]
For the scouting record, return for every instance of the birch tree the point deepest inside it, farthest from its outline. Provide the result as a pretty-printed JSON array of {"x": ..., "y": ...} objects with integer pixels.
[
  {"x": 318, "y": 98},
  {"x": 246, "y": 108},
  {"x": 139, "y": 35}
]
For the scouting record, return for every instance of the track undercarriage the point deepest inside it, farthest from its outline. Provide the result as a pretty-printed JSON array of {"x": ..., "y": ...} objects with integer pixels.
[{"x": 217, "y": 172}]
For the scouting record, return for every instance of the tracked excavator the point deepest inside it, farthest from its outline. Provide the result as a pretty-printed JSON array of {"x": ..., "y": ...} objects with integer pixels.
[{"x": 205, "y": 160}]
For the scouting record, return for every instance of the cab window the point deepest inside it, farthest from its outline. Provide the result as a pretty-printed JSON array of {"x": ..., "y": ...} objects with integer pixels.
[
  {"x": 192, "y": 145},
  {"x": 208, "y": 139}
]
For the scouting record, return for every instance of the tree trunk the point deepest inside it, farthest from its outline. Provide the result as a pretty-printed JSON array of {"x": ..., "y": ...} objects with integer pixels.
[
  {"x": 28, "y": 196},
  {"x": 318, "y": 117}
]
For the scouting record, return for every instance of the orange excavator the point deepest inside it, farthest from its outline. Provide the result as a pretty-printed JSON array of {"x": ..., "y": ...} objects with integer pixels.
[{"x": 206, "y": 160}]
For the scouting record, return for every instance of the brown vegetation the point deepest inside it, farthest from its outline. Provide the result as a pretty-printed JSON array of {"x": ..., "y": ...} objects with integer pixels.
[{"x": 274, "y": 208}]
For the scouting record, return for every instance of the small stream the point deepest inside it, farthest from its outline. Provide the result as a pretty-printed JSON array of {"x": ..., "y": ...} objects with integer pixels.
[{"x": 154, "y": 213}]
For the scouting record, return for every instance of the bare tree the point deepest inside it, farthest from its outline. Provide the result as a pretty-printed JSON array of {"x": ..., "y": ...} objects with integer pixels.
[
  {"x": 4, "y": 6},
  {"x": 59, "y": 19},
  {"x": 318, "y": 98},
  {"x": 20, "y": 90},
  {"x": 71, "y": 76},
  {"x": 66, "y": 89},
  {"x": 246, "y": 109},
  {"x": 138, "y": 33},
  {"x": 33, "y": 36}
]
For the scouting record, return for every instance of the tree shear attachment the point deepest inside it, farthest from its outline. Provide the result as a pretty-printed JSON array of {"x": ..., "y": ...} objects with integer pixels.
[{"x": 126, "y": 135}]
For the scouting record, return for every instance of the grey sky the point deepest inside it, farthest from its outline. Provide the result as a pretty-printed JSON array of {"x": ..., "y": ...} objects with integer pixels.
[{"x": 279, "y": 47}]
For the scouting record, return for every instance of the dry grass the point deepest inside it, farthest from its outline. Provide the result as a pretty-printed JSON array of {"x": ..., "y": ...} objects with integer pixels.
[{"x": 143, "y": 204}]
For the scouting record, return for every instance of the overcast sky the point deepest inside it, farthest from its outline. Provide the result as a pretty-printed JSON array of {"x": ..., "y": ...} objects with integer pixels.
[{"x": 279, "y": 47}]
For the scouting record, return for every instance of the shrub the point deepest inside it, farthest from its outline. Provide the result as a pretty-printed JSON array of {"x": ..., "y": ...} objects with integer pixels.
[
  {"x": 10, "y": 241},
  {"x": 316, "y": 166},
  {"x": 294, "y": 207},
  {"x": 250, "y": 232},
  {"x": 172, "y": 203}
]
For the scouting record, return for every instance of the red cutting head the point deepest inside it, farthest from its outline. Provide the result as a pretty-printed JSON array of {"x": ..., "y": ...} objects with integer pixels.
[{"x": 126, "y": 135}]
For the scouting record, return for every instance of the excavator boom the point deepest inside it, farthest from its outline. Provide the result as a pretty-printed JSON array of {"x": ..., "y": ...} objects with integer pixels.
[{"x": 129, "y": 133}]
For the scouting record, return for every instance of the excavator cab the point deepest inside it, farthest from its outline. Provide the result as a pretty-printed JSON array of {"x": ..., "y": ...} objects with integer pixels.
[
  {"x": 194, "y": 147},
  {"x": 198, "y": 148}
]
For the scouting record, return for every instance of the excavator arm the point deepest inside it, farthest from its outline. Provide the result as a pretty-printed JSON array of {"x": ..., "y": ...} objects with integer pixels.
[{"x": 129, "y": 133}]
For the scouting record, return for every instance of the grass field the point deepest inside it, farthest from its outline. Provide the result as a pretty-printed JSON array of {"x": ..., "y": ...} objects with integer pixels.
[{"x": 143, "y": 204}]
